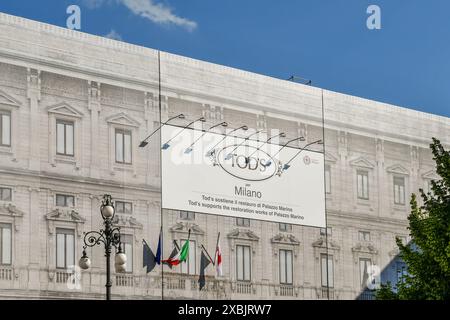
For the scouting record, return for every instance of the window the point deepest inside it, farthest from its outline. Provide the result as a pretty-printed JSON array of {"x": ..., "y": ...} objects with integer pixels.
[
  {"x": 243, "y": 263},
  {"x": 65, "y": 248},
  {"x": 123, "y": 146},
  {"x": 363, "y": 184},
  {"x": 64, "y": 138},
  {"x": 5, "y": 194},
  {"x": 127, "y": 247},
  {"x": 399, "y": 190},
  {"x": 187, "y": 215},
  {"x": 123, "y": 207},
  {"x": 188, "y": 267},
  {"x": 401, "y": 272},
  {"x": 5, "y": 128},
  {"x": 364, "y": 236},
  {"x": 327, "y": 179},
  {"x": 5, "y": 243},
  {"x": 243, "y": 222},
  {"x": 327, "y": 269},
  {"x": 285, "y": 267},
  {"x": 364, "y": 265},
  {"x": 286, "y": 227},
  {"x": 64, "y": 200},
  {"x": 329, "y": 231}
]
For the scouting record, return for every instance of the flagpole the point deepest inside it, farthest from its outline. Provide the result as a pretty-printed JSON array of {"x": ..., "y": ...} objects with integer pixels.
[
  {"x": 206, "y": 251},
  {"x": 217, "y": 244}
]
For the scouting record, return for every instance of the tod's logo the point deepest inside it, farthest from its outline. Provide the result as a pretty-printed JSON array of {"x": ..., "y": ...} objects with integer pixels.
[{"x": 247, "y": 162}]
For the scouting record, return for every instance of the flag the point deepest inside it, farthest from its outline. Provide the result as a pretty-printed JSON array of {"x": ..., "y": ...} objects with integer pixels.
[
  {"x": 204, "y": 262},
  {"x": 158, "y": 251},
  {"x": 172, "y": 254},
  {"x": 218, "y": 258},
  {"x": 180, "y": 256},
  {"x": 148, "y": 258}
]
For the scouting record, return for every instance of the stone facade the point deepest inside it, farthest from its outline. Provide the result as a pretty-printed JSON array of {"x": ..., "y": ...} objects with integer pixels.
[{"x": 50, "y": 74}]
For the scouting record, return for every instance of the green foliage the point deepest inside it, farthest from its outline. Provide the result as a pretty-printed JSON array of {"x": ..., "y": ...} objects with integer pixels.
[{"x": 428, "y": 254}]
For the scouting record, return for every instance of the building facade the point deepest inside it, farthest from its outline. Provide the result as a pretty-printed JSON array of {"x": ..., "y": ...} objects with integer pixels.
[{"x": 73, "y": 109}]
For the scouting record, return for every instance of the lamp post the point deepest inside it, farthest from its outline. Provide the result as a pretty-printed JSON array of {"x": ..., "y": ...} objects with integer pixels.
[{"x": 109, "y": 237}]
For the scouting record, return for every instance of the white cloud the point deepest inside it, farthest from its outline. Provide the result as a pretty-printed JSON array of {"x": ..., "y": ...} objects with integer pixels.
[
  {"x": 149, "y": 9},
  {"x": 114, "y": 35}
]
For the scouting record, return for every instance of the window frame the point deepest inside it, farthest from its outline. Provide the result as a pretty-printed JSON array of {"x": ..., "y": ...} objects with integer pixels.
[
  {"x": 329, "y": 259},
  {"x": 2, "y": 189},
  {"x": 285, "y": 271},
  {"x": 2, "y": 227},
  {"x": 287, "y": 228},
  {"x": 127, "y": 239},
  {"x": 363, "y": 233},
  {"x": 243, "y": 263},
  {"x": 65, "y": 200},
  {"x": 362, "y": 173},
  {"x": 399, "y": 201},
  {"x": 123, "y": 133},
  {"x": 190, "y": 215},
  {"x": 65, "y": 123},
  {"x": 9, "y": 115},
  {"x": 65, "y": 232},
  {"x": 361, "y": 275},
  {"x": 245, "y": 222},
  {"x": 116, "y": 206}
]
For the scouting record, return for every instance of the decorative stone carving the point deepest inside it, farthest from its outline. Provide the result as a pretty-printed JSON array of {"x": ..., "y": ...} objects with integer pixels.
[
  {"x": 6, "y": 99},
  {"x": 184, "y": 227},
  {"x": 364, "y": 248},
  {"x": 127, "y": 221},
  {"x": 65, "y": 215},
  {"x": 362, "y": 162},
  {"x": 398, "y": 169},
  {"x": 123, "y": 119},
  {"x": 65, "y": 109},
  {"x": 243, "y": 235},
  {"x": 322, "y": 243},
  {"x": 283, "y": 238},
  {"x": 10, "y": 210}
]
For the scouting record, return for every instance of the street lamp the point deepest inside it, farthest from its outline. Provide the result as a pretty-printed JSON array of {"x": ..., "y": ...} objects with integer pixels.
[
  {"x": 212, "y": 150},
  {"x": 268, "y": 163},
  {"x": 110, "y": 237},
  {"x": 287, "y": 164},
  {"x": 145, "y": 142}
]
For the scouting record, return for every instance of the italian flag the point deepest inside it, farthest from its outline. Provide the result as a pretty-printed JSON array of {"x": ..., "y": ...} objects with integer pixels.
[
  {"x": 218, "y": 260},
  {"x": 180, "y": 256}
]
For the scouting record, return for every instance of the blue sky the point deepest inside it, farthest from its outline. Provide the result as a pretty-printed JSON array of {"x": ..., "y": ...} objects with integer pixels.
[{"x": 406, "y": 63}]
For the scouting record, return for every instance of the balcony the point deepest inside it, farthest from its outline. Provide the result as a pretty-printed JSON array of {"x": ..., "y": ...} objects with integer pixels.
[
  {"x": 286, "y": 291},
  {"x": 6, "y": 273},
  {"x": 124, "y": 280},
  {"x": 244, "y": 288}
]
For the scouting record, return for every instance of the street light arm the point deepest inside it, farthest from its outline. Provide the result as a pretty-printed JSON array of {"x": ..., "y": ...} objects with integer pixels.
[
  {"x": 190, "y": 148},
  {"x": 93, "y": 238},
  {"x": 286, "y": 166},
  {"x": 166, "y": 144},
  {"x": 240, "y": 144},
  {"x": 282, "y": 134},
  {"x": 144, "y": 142},
  {"x": 244, "y": 127}
]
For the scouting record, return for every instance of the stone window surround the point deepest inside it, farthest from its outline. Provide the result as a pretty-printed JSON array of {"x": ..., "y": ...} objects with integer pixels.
[
  {"x": 65, "y": 112},
  {"x": 12, "y": 106},
  {"x": 122, "y": 121}
]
